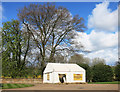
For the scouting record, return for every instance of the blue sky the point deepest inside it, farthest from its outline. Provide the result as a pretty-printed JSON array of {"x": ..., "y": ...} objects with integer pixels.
[
  {"x": 83, "y": 9},
  {"x": 100, "y": 17}
]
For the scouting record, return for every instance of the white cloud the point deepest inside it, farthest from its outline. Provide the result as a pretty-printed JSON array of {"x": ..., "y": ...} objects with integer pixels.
[
  {"x": 100, "y": 44},
  {"x": 97, "y": 40},
  {"x": 103, "y": 19},
  {"x": 84, "y": 39},
  {"x": 109, "y": 54}
]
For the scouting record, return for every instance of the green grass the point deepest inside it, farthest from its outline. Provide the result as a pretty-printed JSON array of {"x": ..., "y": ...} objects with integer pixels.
[
  {"x": 9, "y": 86},
  {"x": 114, "y": 82}
]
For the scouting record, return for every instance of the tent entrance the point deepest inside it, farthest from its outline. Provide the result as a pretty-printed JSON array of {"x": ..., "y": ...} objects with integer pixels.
[{"x": 62, "y": 78}]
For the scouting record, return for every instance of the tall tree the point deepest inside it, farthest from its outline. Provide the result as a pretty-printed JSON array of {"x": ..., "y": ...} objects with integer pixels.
[
  {"x": 117, "y": 71},
  {"x": 79, "y": 58},
  {"x": 14, "y": 48},
  {"x": 60, "y": 58},
  {"x": 52, "y": 28},
  {"x": 102, "y": 73},
  {"x": 97, "y": 60}
]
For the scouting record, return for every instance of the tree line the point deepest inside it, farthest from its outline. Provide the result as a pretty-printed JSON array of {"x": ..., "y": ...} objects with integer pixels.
[
  {"x": 45, "y": 33},
  {"x": 96, "y": 69}
]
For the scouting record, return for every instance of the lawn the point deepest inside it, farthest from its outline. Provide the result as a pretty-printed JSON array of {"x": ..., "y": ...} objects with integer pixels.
[
  {"x": 114, "y": 82},
  {"x": 9, "y": 86}
]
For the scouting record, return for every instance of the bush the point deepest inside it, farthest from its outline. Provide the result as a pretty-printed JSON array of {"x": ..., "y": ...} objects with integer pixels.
[
  {"x": 117, "y": 72},
  {"x": 102, "y": 73}
]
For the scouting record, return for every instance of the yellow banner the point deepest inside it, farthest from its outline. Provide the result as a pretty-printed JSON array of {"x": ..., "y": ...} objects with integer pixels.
[{"x": 78, "y": 76}]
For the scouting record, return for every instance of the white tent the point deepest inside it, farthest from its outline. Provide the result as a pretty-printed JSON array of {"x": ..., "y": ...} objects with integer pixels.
[{"x": 68, "y": 73}]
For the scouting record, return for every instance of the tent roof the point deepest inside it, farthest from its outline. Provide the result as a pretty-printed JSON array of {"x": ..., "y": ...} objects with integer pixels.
[{"x": 62, "y": 67}]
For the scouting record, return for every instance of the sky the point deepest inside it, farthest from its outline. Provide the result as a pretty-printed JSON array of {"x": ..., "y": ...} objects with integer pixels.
[{"x": 101, "y": 36}]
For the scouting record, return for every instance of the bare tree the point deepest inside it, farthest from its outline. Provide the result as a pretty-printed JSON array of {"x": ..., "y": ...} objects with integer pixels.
[
  {"x": 51, "y": 27},
  {"x": 79, "y": 58},
  {"x": 97, "y": 60},
  {"x": 60, "y": 58}
]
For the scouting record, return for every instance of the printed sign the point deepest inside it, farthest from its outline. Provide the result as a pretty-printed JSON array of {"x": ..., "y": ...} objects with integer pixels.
[{"x": 78, "y": 76}]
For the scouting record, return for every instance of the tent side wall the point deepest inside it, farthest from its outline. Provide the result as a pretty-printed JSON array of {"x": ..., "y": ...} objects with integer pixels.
[
  {"x": 56, "y": 77},
  {"x": 83, "y": 77},
  {"x": 48, "y": 77},
  {"x": 69, "y": 77}
]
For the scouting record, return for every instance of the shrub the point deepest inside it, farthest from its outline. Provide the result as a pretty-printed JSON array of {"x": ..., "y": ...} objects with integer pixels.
[
  {"x": 102, "y": 73},
  {"x": 117, "y": 72}
]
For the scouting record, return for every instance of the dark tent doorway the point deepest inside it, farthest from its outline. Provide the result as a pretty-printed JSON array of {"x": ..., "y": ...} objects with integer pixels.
[{"x": 62, "y": 78}]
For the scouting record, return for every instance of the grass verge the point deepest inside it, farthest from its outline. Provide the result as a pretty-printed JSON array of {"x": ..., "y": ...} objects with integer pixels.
[
  {"x": 114, "y": 82},
  {"x": 9, "y": 86}
]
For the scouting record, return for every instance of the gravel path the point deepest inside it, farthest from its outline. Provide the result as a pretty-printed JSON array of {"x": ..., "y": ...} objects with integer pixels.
[{"x": 70, "y": 87}]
